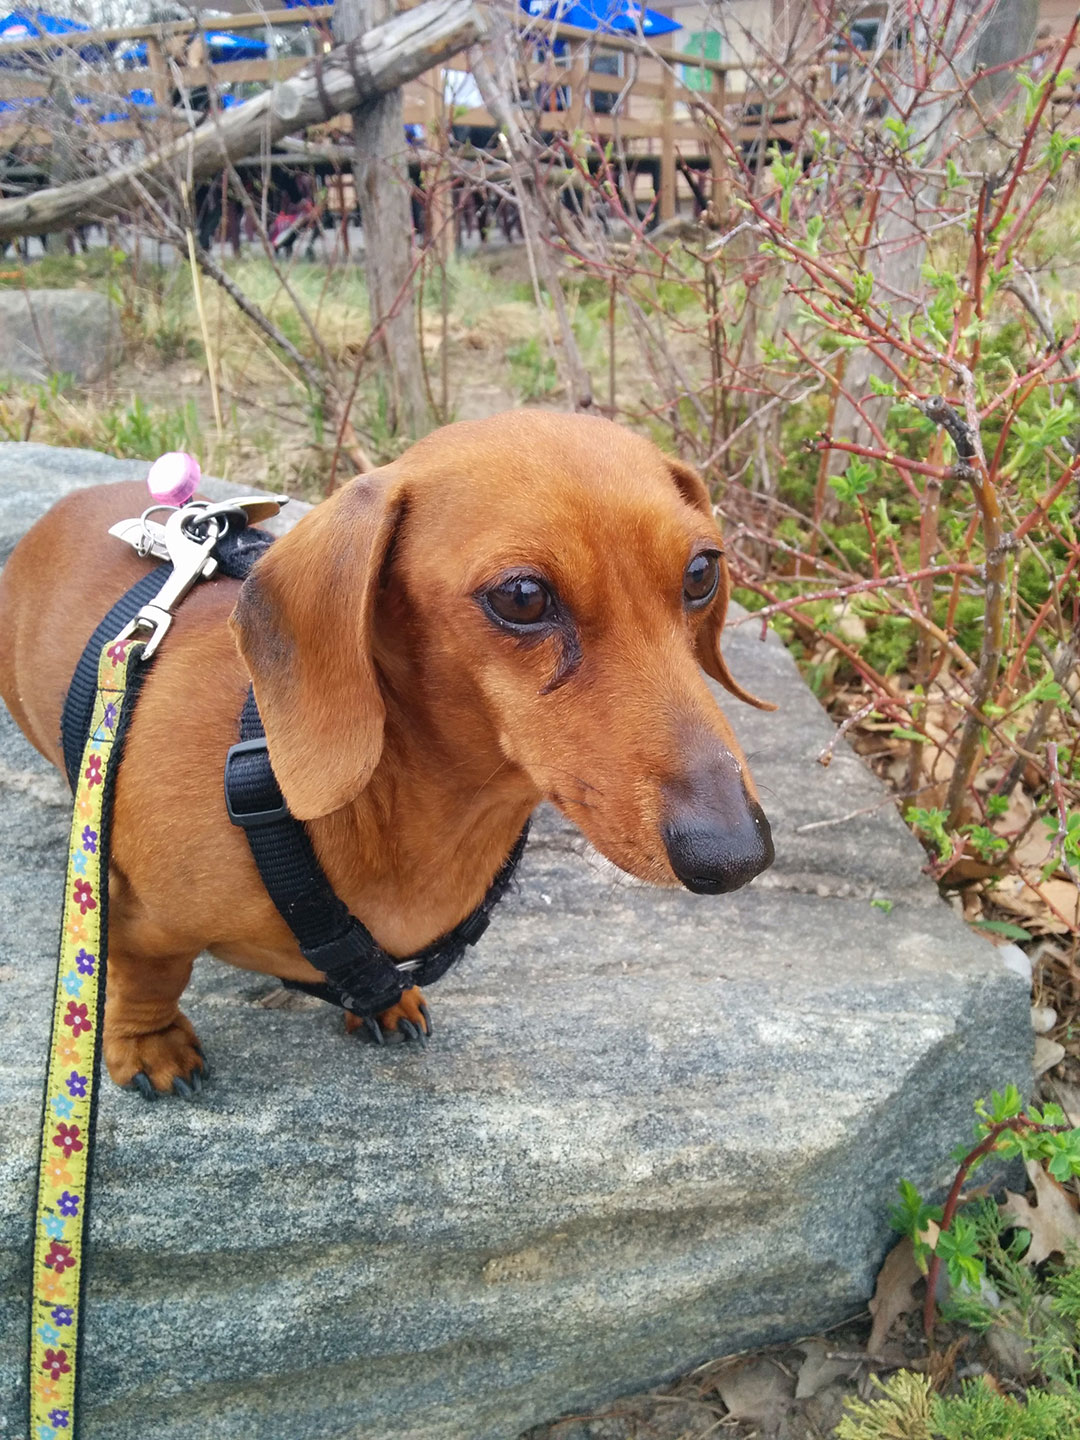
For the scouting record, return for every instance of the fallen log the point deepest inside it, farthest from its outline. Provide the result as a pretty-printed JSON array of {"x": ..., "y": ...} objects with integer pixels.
[{"x": 346, "y": 78}]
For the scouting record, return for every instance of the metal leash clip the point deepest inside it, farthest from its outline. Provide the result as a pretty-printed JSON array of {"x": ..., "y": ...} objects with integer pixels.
[
  {"x": 187, "y": 540},
  {"x": 147, "y": 537},
  {"x": 192, "y": 560}
]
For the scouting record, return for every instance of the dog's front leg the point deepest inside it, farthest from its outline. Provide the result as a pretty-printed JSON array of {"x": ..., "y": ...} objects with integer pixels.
[
  {"x": 149, "y": 1044},
  {"x": 409, "y": 1018}
]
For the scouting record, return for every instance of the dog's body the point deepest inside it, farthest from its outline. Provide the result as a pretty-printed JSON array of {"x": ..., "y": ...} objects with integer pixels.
[{"x": 410, "y": 724}]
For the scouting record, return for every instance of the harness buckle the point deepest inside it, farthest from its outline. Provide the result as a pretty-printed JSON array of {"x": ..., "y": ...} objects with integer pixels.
[
  {"x": 473, "y": 926},
  {"x": 252, "y": 819}
]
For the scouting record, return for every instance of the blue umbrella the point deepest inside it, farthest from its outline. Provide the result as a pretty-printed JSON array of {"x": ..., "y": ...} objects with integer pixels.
[
  {"x": 35, "y": 25},
  {"x": 222, "y": 45},
  {"x": 614, "y": 16},
  {"x": 141, "y": 99}
]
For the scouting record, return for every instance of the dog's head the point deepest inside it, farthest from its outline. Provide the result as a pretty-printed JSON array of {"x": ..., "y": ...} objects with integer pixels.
[{"x": 545, "y": 591}]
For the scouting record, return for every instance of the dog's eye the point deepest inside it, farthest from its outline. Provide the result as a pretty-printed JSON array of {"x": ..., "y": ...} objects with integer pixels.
[
  {"x": 521, "y": 600},
  {"x": 701, "y": 578}
]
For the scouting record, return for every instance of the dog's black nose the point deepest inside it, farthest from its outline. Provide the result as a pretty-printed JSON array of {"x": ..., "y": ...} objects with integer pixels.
[{"x": 712, "y": 854}]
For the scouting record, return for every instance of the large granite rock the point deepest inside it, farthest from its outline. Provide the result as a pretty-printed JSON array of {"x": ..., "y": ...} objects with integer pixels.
[
  {"x": 57, "y": 332},
  {"x": 651, "y": 1128}
]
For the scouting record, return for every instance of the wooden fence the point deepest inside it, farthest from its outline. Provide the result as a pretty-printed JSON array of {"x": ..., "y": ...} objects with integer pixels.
[{"x": 648, "y": 108}]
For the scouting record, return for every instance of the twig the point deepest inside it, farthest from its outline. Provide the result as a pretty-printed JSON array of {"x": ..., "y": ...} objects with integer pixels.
[
  {"x": 825, "y": 756},
  {"x": 211, "y": 363}
]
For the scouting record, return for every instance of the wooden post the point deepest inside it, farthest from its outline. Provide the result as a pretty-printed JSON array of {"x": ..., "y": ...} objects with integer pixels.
[
  {"x": 718, "y": 167},
  {"x": 382, "y": 178},
  {"x": 667, "y": 137},
  {"x": 579, "y": 80},
  {"x": 161, "y": 85}
]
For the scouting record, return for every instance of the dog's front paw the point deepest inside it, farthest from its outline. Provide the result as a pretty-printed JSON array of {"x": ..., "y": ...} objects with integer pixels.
[
  {"x": 168, "y": 1061},
  {"x": 409, "y": 1018}
]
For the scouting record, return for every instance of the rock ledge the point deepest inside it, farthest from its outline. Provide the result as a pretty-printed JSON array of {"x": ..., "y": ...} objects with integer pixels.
[{"x": 650, "y": 1129}]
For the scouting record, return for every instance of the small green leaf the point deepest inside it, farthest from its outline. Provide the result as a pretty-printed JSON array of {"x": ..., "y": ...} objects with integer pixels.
[{"x": 1003, "y": 927}]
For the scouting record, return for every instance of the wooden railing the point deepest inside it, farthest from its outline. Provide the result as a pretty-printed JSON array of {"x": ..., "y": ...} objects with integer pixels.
[{"x": 652, "y": 118}]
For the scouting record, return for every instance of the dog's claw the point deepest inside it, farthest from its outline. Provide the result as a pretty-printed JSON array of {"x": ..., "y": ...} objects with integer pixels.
[
  {"x": 183, "y": 1089},
  {"x": 426, "y": 1013},
  {"x": 374, "y": 1029},
  {"x": 204, "y": 1073},
  {"x": 409, "y": 1030},
  {"x": 140, "y": 1081}
]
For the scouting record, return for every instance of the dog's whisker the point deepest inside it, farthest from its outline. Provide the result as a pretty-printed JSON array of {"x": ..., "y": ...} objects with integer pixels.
[
  {"x": 557, "y": 798},
  {"x": 557, "y": 770},
  {"x": 485, "y": 783},
  {"x": 585, "y": 784}
]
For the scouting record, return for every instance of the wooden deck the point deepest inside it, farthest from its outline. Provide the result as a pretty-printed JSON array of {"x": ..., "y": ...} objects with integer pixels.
[{"x": 648, "y": 110}]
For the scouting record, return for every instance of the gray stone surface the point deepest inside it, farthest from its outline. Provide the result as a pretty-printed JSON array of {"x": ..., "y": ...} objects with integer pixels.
[
  {"x": 57, "y": 332},
  {"x": 651, "y": 1128}
]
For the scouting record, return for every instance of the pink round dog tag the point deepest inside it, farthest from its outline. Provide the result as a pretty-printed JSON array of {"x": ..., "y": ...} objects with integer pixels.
[{"x": 174, "y": 478}]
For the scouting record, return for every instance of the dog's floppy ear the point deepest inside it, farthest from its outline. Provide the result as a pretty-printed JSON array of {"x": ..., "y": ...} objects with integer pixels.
[
  {"x": 692, "y": 488},
  {"x": 303, "y": 624}
]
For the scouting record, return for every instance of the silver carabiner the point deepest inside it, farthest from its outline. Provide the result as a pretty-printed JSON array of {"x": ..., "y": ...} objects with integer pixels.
[{"x": 192, "y": 560}]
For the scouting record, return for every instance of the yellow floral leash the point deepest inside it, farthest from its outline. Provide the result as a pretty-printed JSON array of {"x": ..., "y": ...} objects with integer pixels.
[
  {"x": 187, "y": 541},
  {"x": 68, "y": 1117}
]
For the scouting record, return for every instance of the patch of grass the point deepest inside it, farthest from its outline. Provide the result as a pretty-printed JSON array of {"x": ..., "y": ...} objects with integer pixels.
[
  {"x": 131, "y": 429},
  {"x": 95, "y": 270},
  {"x": 533, "y": 370}
]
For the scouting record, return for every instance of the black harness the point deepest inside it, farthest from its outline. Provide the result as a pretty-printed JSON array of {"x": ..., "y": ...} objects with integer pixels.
[{"x": 360, "y": 976}]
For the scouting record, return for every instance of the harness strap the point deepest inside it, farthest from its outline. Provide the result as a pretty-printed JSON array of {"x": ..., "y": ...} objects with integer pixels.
[
  {"x": 359, "y": 975},
  {"x": 69, "y": 1110},
  {"x": 79, "y": 703}
]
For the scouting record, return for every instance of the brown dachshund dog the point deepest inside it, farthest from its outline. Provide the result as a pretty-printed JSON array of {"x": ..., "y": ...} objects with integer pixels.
[{"x": 519, "y": 609}]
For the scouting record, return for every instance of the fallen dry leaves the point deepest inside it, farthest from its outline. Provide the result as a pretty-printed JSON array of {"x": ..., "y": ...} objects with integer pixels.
[
  {"x": 1053, "y": 1222},
  {"x": 755, "y": 1389},
  {"x": 893, "y": 1294},
  {"x": 1049, "y": 907},
  {"x": 819, "y": 1369}
]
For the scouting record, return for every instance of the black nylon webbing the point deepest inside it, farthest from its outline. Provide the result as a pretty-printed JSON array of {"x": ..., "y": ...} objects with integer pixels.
[
  {"x": 328, "y": 934},
  {"x": 79, "y": 701},
  {"x": 361, "y": 976}
]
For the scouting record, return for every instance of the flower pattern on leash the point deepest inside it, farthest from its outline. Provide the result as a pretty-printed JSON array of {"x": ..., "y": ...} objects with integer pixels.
[
  {"x": 56, "y": 1363},
  {"x": 83, "y": 895},
  {"x": 77, "y": 1018},
  {"x": 59, "y": 1233},
  {"x": 67, "y": 1137}
]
